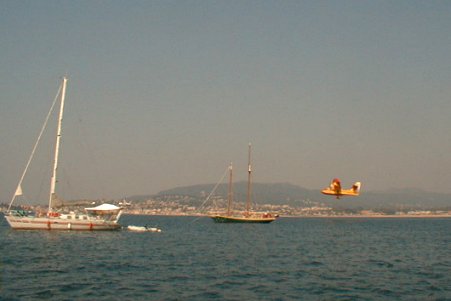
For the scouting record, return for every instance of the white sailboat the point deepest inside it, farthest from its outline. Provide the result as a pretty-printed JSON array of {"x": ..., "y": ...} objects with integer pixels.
[{"x": 103, "y": 217}]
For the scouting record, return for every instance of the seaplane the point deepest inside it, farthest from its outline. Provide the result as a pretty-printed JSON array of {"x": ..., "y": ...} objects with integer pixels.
[{"x": 336, "y": 190}]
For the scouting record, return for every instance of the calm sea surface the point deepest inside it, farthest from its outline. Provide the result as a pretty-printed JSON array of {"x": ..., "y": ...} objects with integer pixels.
[{"x": 196, "y": 259}]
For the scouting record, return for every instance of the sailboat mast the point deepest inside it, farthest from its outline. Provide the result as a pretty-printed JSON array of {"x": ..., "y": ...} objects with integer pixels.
[
  {"x": 230, "y": 196},
  {"x": 57, "y": 145},
  {"x": 249, "y": 185}
]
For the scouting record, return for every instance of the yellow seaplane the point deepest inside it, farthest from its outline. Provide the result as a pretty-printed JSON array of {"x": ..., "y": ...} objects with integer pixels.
[{"x": 336, "y": 190}]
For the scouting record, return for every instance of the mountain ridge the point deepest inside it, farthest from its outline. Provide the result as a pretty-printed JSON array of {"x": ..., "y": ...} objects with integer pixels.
[{"x": 294, "y": 195}]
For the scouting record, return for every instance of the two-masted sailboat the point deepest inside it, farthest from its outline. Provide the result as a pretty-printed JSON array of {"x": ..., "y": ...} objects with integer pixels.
[
  {"x": 103, "y": 217},
  {"x": 247, "y": 216}
]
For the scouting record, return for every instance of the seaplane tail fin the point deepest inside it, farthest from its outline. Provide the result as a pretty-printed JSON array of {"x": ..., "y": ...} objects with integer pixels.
[{"x": 356, "y": 187}]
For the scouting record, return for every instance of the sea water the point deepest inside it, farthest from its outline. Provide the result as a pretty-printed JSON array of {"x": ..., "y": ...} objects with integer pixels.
[{"x": 196, "y": 259}]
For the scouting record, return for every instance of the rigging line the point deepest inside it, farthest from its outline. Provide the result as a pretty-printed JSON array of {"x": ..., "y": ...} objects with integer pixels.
[
  {"x": 214, "y": 189},
  {"x": 35, "y": 147},
  {"x": 211, "y": 193},
  {"x": 196, "y": 219}
]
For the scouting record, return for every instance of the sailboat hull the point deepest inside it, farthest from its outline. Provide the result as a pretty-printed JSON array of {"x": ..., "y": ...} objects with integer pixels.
[
  {"x": 236, "y": 219},
  {"x": 45, "y": 223}
]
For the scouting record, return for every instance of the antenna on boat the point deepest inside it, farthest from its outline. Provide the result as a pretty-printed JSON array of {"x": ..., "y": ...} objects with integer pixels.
[
  {"x": 230, "y": 195},
  {"x": 249, "y": 184}
]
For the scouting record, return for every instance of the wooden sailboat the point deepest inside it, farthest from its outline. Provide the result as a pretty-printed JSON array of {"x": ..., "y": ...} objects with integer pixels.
[
  {"x": 247, "y": 216},
  {"x": 103, "y": 217}
]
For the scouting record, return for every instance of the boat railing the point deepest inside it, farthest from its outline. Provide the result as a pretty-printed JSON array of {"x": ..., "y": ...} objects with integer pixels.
[{"x": 20, "y": 213}]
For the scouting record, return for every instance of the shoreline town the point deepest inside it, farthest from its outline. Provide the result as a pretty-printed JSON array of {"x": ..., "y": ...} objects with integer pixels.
[{"x": 175, "y": 209}]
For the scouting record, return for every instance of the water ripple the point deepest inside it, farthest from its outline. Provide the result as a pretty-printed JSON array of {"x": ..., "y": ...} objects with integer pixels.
[{"x": 291, "y": 259}]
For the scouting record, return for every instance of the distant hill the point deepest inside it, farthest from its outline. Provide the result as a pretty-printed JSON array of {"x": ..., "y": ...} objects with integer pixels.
[
  {"x": 293, "y": 195},
  {"x": 277, "y": 193}
]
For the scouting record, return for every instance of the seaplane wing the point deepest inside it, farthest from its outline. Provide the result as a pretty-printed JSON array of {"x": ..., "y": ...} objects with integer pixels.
[{"x": 336, "y": 190}]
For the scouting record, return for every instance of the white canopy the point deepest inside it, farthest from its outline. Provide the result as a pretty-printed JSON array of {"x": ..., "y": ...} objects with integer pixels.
[{"x": 104, "y": 207}]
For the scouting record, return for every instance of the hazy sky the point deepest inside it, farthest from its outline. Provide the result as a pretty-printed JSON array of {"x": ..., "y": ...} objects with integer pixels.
[{"x": 167, "y": 93}]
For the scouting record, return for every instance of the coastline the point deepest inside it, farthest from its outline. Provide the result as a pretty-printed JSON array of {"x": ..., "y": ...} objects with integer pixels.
[
  {"x": 391, "y": 216},
  {"x": 323, "y": 216},
  {"x": 376, "y": 216}
]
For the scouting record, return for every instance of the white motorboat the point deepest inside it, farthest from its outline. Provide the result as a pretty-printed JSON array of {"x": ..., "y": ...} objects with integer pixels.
[{"x": 143, "y": 229}]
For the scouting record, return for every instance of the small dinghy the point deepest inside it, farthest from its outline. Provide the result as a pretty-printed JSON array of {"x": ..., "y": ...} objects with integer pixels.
[{"x": 143, "y": 229}]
